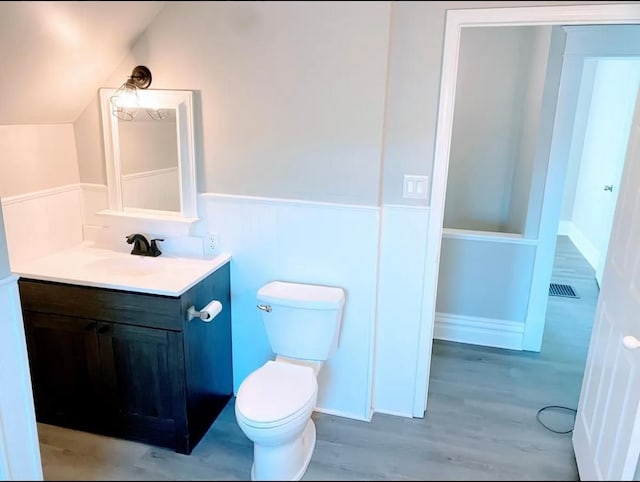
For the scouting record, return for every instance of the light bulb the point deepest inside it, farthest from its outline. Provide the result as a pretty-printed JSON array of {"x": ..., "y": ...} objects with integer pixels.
[{"x": 125, "y": 102}]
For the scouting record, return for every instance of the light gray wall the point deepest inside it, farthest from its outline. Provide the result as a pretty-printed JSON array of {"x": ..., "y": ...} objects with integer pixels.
[
  {"x": 495, "y": 74},
  {"x": 523, "y": 167},
  {"x": 492, "y": 278},
  {"x": 36, "y": 157},
  {"x": 545, "y": 131},
  {"x": 590, "y": 43},
  {"x": 290, "y": 94},
  {"x": 294, "y": 96},
  {"x": 90, "y": 144},
  {"x": 415, "y": 59},
  {"x": 615, "y": 89},
  {"x": 484, "y": 279},
  {"x": 577, "y": 138}
]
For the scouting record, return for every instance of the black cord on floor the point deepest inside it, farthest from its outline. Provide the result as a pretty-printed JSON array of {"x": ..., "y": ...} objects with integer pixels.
[{"x": 573, "y": 410}]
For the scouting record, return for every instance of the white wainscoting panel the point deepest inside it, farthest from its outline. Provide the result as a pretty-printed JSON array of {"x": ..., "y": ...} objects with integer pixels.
[
  {"x": 94, "y": 199},
  {"x": 19, "y": 448},
  {"x": 43, "y": 222},
  {"x": 403, "y": 238},
  {"x": 307, "y": 242}
]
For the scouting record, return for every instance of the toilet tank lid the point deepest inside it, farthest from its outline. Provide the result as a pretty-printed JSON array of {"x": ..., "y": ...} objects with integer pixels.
[{"x": 300, "y": 295}]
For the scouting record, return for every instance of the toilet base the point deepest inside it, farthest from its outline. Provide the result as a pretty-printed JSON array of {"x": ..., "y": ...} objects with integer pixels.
[{"x": 308, "y": 444}]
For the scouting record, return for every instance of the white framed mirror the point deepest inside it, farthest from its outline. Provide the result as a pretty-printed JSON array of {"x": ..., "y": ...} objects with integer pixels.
[{"x": 150, "y": 159}]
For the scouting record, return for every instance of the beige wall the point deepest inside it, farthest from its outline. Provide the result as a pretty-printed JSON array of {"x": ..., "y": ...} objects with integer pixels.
[
  {"x": 326, "y": 101},
  {"x": 37, "y": 157}
]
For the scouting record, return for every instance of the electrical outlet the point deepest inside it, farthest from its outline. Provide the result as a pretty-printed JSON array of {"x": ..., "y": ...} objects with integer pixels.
[{"x": 210, "y": 243}]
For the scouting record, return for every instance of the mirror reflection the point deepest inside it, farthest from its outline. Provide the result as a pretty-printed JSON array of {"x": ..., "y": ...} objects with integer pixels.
[{"x": 149, "y": 168}]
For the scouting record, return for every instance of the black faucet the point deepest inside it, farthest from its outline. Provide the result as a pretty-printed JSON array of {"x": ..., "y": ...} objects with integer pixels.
[{"x": 142, "y": 247}]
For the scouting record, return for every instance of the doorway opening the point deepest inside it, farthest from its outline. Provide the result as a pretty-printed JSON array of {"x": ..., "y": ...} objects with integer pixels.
[{"x": 549, "y": 215}]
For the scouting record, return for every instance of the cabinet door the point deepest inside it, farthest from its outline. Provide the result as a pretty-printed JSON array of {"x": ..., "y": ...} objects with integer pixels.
[
  {"x": 65, "y": 369},
  {"x": 143, "y": 375}
]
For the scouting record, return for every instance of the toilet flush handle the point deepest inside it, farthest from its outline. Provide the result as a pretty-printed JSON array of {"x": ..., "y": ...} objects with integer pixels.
[{"x": 266, "y": 308}]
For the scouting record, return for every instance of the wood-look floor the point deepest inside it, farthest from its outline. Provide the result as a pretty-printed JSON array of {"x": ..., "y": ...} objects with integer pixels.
[{"x": 480, "y": 424}]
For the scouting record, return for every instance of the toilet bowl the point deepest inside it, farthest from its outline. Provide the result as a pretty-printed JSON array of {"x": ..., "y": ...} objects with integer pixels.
[
  {"x": 275, "y": 402},
  {"x": 273, "y": 409}
]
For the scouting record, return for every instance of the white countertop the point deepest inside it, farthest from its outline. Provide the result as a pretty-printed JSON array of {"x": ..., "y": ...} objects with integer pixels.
[{"x": 86, "y": 265}]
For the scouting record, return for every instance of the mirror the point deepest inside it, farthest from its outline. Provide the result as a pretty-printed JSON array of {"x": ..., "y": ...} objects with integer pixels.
[
  {"x": 150, "y": 160},
  {"x": 149, "y": 177}
]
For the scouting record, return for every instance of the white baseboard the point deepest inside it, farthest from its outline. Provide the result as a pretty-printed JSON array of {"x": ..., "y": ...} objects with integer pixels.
[
  {"x": 479, "y": 331},
  {"x": 339, "y": 413},
  {"x": 395, "y": 413}
]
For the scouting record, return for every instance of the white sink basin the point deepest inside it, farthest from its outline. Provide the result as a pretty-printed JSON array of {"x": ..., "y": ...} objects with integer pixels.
[{"x": 126, "y": 266}]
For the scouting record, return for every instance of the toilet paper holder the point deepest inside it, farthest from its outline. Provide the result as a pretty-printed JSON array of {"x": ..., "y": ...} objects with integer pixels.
[{"x": 207, "y": 314}]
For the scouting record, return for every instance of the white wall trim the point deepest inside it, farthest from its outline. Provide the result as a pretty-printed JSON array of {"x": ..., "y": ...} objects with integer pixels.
[
  {"x": 395, "y": 413},
  {"x": 479, "y": 331},
  {"x": 19, "y": 449},
  {"x": 4, "y": 454},
  {"x": 272, "y": 201},
  {"x": 405, "y": 207},
  {"x": 87, "y": 186},
  {"x": 402, "y": 241},
  {"x": 20, "y": 198},
  {"x": 455, "y": 20},
  {"x": 546, "y": 15},
  {"x": 339, "y": 413},
  {"x": 157, "y": 172},
  {"x": 487, "y": 236}
]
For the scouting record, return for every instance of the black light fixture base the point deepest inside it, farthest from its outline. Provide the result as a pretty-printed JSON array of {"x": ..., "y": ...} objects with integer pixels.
[{"x": 141, "y": 77}]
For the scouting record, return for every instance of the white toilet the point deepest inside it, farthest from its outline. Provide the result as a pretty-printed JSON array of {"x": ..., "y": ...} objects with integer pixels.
[{"x": 274, "y": 403}]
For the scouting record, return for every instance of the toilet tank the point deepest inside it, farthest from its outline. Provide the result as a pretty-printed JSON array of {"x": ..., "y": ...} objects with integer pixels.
[{"x": 304, "y": 319}]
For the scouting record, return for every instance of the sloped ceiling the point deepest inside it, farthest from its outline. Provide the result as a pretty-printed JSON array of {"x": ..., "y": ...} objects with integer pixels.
[{"x": 55, "y": 55}]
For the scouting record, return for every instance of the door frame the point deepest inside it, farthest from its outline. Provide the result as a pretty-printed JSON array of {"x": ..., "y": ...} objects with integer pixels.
[{"x": 550, "y": 212}]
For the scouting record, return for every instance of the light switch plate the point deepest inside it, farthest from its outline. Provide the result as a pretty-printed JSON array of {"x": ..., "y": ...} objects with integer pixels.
[{"x": 414, "y": 187}]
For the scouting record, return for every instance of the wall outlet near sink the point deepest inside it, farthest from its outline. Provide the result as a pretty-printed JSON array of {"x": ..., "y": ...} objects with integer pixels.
[{"x": 211, "y": 243}]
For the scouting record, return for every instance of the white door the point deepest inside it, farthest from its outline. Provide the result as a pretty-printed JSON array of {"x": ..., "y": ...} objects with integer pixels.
[{"x": 606, "y": 436}]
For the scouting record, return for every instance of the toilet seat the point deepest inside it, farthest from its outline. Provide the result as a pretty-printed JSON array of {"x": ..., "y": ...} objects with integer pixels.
[{"x": 276, "y": 393}]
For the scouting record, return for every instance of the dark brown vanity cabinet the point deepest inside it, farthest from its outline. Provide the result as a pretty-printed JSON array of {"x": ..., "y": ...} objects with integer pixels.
[{"x": 129, "y": 365}]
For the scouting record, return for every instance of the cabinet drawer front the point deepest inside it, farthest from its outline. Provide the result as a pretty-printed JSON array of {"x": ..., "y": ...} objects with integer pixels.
[{"x": 138, "y": 309}]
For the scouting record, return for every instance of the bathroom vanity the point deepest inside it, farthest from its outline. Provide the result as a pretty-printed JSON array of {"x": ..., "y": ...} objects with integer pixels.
[{"x": 112, "y": 350}]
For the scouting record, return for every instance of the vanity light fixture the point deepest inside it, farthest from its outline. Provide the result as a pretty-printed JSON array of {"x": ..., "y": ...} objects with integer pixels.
[{"x": 125, "y": 102}]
